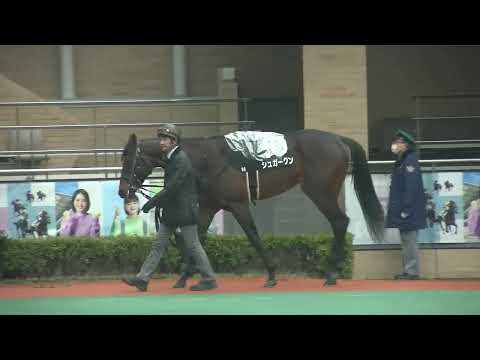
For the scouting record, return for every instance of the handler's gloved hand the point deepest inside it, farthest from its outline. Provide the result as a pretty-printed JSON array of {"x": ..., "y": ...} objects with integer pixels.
[
  {"x": 149, "y": 205},
  {"x": 404, "y": 215}
]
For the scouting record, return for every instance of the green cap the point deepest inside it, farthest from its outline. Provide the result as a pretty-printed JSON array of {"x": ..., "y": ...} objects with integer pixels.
[
  {"x": 405, "y": 136},
  {"x": 169, "y": 130}
]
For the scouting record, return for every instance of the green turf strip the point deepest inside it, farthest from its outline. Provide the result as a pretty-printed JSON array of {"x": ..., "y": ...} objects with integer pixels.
[{"x": 328, "y": 303}]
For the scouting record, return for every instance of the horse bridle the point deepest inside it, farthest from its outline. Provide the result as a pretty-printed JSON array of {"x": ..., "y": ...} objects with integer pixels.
[{"x": 134, "y": 183}]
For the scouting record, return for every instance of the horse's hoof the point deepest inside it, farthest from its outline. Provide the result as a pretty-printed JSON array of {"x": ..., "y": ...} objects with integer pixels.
[
  {"x": 329, "y": 282},
  {"x": 270, "y": 283}
]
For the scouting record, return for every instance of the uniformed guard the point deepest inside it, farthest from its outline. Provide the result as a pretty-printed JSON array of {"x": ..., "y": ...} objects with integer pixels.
[{"x": 407, "y": 203}]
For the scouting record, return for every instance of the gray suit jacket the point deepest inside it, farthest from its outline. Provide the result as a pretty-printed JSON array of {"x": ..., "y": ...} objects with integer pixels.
[{"x": 179, "y": 198}]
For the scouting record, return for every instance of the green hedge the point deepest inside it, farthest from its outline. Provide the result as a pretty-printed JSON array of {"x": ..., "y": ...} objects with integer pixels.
[{"x": 84, "y": 256}]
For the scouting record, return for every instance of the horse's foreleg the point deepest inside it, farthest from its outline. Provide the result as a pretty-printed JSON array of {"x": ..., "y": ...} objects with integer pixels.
[{"x": 242, "y": 214}]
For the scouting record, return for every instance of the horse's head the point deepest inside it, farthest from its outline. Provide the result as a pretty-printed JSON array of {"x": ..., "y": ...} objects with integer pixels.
[{"x": 136, "y": 167}]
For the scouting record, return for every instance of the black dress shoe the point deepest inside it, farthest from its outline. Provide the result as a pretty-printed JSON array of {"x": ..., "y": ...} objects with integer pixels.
[
  {"x": 407, "y": 277},
  {"x": 136, "y": 282},
  {"x": 204, "y": 285}
]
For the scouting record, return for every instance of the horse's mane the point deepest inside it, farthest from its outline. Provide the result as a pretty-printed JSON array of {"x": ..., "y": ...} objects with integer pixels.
[
  {"x": 197, "y": 140},
  {"x": 145, "y": 143},
  {"x": 190, "y": 139}
]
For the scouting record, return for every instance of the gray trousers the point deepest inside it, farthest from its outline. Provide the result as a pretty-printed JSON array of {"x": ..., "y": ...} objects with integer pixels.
[
  {"x": 191, "y": 245},
  {"x": 187, "y": 265},
  {"x": 409, "y": 252}
]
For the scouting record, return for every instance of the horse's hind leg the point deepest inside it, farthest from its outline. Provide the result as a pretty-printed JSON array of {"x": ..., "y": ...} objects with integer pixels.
[
  {"x": 242, "y": 214},
  {"x": 328, "y": 205},
  {"x": 205, "y": 218}
]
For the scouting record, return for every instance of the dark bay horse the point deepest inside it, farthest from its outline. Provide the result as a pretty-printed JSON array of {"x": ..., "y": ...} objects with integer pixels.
[{"x": 320, "y": 164}]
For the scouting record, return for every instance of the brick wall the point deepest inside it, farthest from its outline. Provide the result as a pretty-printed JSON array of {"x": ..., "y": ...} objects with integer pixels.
[
  {"x": 107, "y": 71},
  {"x": 34, "y": 67},
  {"x": 434, "y": 263},
  {"x": 33, "y": 73},
  {"x": 335, "y": 90},
  {"x": 123, "y": 71},
  {"x": 90, "y": 138}
]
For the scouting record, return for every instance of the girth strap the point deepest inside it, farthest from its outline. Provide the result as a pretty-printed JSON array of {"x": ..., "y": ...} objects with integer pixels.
[{"x": 253, "y": 185}]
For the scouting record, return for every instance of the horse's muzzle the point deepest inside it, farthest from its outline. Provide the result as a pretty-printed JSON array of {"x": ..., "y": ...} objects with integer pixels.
[{"x": 123, "y": 189}]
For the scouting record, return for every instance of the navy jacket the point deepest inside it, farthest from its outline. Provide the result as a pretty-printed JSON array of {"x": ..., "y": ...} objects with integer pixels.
[{"x": 407, "y": 195}]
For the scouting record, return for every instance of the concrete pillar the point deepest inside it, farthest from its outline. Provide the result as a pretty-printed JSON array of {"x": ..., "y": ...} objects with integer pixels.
[
  {"x": 227, "y": 88},
  {"x": 335, "y": 90},
  {"x": 179, "y": 70},
  {"x": 67, "y": 73}
]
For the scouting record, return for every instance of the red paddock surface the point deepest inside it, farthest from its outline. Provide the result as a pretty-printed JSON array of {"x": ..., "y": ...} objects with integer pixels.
[{"x": 226, "y": 285}]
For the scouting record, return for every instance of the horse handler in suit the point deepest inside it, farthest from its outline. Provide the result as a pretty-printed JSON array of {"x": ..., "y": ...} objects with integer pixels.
[
  {"x": 407, "y": 203},
  {"x": 179, "y": 201}
]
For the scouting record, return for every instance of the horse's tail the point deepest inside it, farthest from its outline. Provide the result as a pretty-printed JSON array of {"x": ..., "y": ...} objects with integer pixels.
[{"x": 362, "y": 183}]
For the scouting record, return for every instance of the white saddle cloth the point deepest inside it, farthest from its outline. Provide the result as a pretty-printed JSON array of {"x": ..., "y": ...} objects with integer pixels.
[{"x": 257, "y": 145}]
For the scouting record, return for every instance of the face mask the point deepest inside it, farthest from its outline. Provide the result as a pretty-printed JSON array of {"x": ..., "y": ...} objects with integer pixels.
[{"x": 394, "y": 148}]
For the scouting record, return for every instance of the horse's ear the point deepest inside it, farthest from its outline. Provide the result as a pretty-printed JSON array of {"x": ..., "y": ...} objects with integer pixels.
[
  {"x": 132, "y": 139},
  {"x": 131, "y": 144}
]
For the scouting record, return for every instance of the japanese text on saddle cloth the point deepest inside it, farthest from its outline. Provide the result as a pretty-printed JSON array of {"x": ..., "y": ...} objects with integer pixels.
[{"x": 257, "y": 150}]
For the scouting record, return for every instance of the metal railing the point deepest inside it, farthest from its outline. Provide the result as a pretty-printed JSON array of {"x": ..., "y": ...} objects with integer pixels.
[
  {"x": 42, "y": 154},
  {"x": 447, "y": 144},
  {"x": 54, "y": 152},
  {"x": 75, "y": 170},
  {"x": 22, "y": 154},
  {"x": 429, "y": 165},
  {"x": 94, "y": 104},
  {"x": 120, "y": 125},
  {"x": 432, "y": 161},
  {"x": 113, "y": 172},
  {"x": 123, "y": 102},
  {"x": 109, "y": 102},
  {"x": 418, "y": 117}
]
